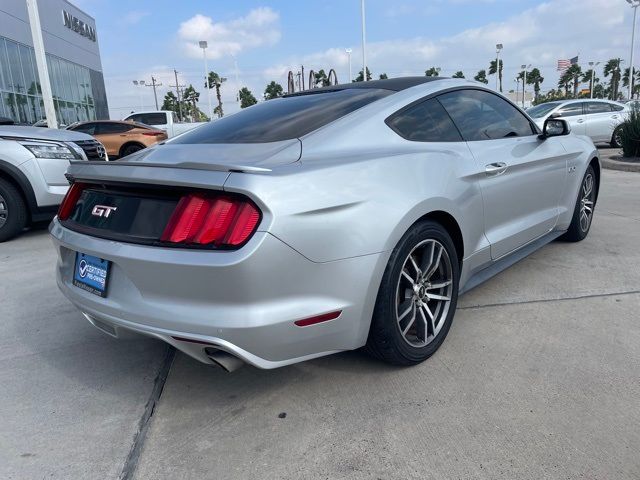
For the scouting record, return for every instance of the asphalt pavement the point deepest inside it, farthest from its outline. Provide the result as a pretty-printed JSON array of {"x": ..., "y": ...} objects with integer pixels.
[{"x": 539, "y": 378}]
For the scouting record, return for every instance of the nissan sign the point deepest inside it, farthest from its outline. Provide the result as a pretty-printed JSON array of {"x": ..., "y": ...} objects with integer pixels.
[{"x": 78, "y": 26}]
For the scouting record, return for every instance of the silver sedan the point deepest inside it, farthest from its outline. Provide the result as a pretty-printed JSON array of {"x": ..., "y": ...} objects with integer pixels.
[
  {"x": 327, "y": 220},
  {"x": 598, "y": 119}
]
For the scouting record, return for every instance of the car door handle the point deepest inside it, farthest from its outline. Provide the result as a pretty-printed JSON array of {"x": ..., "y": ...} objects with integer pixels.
[
  {"x": 614, "y": 116},
  {"x": 581, "y": 120},
  {"x": 497, "y": 168}
]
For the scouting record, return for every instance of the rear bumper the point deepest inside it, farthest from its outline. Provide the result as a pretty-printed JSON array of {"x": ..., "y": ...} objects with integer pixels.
[{"x": 243, "y": 302}]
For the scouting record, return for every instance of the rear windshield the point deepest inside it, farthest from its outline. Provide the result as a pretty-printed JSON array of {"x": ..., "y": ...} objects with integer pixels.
[
  {"x": 541, "y": 110},
  {"x": 283, "y": 118}
]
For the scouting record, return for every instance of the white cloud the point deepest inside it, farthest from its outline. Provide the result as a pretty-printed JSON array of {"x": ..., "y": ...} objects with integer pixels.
[{"x": 258, "y": 28}]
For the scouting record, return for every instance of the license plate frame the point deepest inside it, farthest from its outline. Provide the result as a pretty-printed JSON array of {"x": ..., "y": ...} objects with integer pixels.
[{"x": 91, "y": 274}]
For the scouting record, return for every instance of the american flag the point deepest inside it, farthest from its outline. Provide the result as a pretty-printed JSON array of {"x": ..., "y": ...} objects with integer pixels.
[{"x": 564, "y": 64}]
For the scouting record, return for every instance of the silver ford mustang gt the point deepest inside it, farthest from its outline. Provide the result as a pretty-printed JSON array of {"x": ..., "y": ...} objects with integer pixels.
[{"x": 323, "y": 221}]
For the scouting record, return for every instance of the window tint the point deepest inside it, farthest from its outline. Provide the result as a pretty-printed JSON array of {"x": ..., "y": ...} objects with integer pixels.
[
  {"x": 88, "y": 128},
  {"x": 541, "y": 110},
  {"x": 571, "y": 110},
  {"x": 108, "y": 128},
  {"x": 481, "y": 115},
  {"x": 426, "y": 122},
  {"x": 616, "y": 108},
  {"x": 283, "y": 118},
  {"x": 149, "y": 118},
  {"x": 597, "y": 107}
]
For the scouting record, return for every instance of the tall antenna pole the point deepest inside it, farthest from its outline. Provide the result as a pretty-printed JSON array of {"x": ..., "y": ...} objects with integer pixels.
[
  {"x": 41, "y": 63},
  {"x": 175, "y": 72},
  {"x": 364, "y": 44}
]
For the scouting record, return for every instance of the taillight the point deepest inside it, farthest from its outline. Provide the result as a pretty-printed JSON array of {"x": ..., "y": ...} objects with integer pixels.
[
  {"x": 218, "y": 221},
  {"x": 70, "y": 200},
  {"x": 153, "y": 134}
]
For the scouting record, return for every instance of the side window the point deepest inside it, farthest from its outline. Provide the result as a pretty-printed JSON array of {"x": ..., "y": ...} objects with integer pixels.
[
  {"x": 154, "y": 119},
  {"x": 136, "y": 117},
  {"x": 110, "y": 128},
  {"x": 571, "y": 110},
  {"x": 597, "y": 107},
  {"x": 88, "y": 128},
  {"x": 616, "y": 108},
  {"x": 426, "y": 122},
  {"x": 480, "y": 115}
]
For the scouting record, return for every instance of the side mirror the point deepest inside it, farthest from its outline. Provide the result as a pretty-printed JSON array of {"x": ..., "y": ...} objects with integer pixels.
[{"x": 554, "y": 127}]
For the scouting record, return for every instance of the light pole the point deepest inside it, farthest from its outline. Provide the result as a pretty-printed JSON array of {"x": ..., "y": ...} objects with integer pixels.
[
  {"x": 634, "y": 4},
  {"x": 593, "y": 74},
  {"x": 517, "y": 80},
  {"x": 524, "y": 82},
  {"x": 348, "y": 51},
  {"x": 364, "y": 44},
  {"x": 140, "y": 83},
  {"x": 203, "y": 45},
  {"x": 498, "y": 49}
]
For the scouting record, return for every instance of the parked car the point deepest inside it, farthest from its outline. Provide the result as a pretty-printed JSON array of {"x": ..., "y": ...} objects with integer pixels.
[
  {"x": 121, "y": 138},
  {"x": 321, "y": 221},
  {"x": 598, "y": 119},
  {"x": 164, "y": 120},
  {"x": 33, "y": 162}
]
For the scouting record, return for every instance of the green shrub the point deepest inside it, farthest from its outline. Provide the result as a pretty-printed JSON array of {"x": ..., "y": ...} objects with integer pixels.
[{"x": 630, "y": 133}]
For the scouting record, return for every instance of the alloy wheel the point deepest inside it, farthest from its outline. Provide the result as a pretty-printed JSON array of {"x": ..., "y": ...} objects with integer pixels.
[
  {"x": 423, "y": 294},
  {"x": 4, "y": 211},
  {"x": 587, "y": 201}
]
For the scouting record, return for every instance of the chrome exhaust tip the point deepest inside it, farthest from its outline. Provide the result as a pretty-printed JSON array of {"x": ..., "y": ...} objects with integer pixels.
[{"x": 226, "y": 361}]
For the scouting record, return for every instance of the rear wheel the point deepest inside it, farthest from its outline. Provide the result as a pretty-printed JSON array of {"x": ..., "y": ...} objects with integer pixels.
[
  {"x": 129, "y": 149},
  {"x": 616, "y": 138},
  {"x": 417, "y": 297},
  {"x": 583, "y": 211},
  {"x": 13, "y": 211}
]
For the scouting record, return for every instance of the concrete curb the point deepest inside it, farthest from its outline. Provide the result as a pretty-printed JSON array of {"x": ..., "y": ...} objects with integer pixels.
[{"x": 611, "y": 162}]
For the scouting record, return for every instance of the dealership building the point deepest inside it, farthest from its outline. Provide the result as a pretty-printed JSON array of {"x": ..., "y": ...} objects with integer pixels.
[{"x": 73, "y": 60}]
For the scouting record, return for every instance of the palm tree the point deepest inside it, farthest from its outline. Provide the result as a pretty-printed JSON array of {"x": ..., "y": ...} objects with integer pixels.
[
  {"x": 493, "y": 70},
  {"x": 590, "y": 76},
  {"x": 383, "y": 76},
  {"x": 360, "y": 77},
  {"x": 635, "y": 81},
  {"x": 612, "y": 68},
  {"x": 458, "y": 74},
  {"x": 273, "y": 90},
  {"x": 481, "y": 77},
  {"x": 535, "y": 78},
  {"x": 565, "y": 82},
  {"x": 575, "y": 72},
  {"x": 215, "y": 80},
  {"x": 432, "y": 72}
]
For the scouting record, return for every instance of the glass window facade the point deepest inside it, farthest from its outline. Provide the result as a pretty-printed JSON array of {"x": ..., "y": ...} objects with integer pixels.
[{"x": 71, "y": 84}]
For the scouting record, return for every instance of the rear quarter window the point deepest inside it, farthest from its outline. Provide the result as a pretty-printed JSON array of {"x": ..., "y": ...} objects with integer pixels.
[
  {"x": 427, "y": 121},
  {"x": 283, "y": 118}
]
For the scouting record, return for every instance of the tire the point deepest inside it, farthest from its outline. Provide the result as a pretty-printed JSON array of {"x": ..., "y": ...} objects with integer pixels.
[
  {"x": 579, "y": 229},
  {"x": 397, "y": 295},
  {"x": 13, "y": 211},
  {"x": 129, "y": 149},
  {"x": 615, "y": 138}
]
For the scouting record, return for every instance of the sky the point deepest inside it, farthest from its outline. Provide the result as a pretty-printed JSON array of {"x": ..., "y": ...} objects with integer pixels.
[{"x": 266, "y": 39}]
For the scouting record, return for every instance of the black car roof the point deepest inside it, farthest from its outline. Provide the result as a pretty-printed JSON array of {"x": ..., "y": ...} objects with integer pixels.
[{"x": 393, "y": 84}]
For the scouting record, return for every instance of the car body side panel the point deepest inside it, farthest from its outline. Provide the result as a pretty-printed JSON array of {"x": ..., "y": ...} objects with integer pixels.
[
  {"x": 600, "y": 126},
  {"x": 520, "y": 204}
]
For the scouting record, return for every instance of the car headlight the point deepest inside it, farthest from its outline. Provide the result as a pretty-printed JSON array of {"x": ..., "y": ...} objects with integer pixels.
[{"x": 50, "y": 150}]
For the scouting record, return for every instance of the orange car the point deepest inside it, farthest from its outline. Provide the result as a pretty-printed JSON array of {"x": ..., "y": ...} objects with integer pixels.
[{"x": 121, "y": 138}]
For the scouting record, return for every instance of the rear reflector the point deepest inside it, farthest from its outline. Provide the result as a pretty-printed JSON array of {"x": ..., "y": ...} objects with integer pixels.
[
  {"x": 70, "y": 200},
  {"x": 305, "y": 322},
  {"x": 220, "y": 221}
]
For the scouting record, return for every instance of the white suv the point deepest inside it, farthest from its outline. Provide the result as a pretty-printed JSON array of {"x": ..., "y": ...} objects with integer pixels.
[{"x": 33, "y": 162}]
